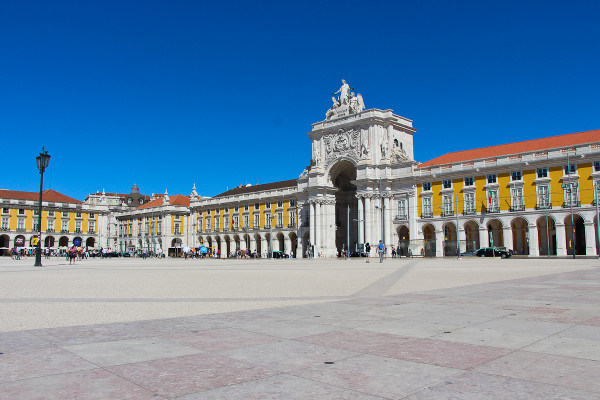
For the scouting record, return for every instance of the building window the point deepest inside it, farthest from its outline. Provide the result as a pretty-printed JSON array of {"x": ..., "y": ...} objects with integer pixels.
[
  {"x": 571, "y": 168},
  {"x": 571, "y": 196},
  {"x": 292, "y": 219},
  {"x": 91, "y": 227},
  {"x": 4, "y": 223},
  {"x": 246, "y": 207},
  {"x": 257, "y": 206},
  {"x": 492, "y": 178},
  {"x": 246, "y": 220},
  {"x": 78, "y": 215},
  {"x": 50, "y": 225},
  {"x": 469, "y": 203},
  {"x": 401, "y": 209},
  {"x": 493, "y": 203},
  {"x": 5, "y": 210},
  {"x": 516, "y": 176},
  {"x": 256, "y": 221},
  {"x": 92, "y": 215},
  {"x": 65, "y": 214},
  {"x": 426, "y": 186},
  {"x": 280, "y": 220},
  {"x": 36, "y": 212},
  {"x": 236, "y": 222},
  {"x": 469, "y": 181},
  {"x": 208, "y": 224},
  {"x": 35, "y": 225},
  {"x": 447, "y": 184},
  {"x": 236, "y": 208},
  {"x": 517, "y": 199},
  {"x": 217, "y": 223},
  {"x": 64, "y": 226},
  {"x": 21, "y": 211},
  {"x": 427, "y": 210},
  {"x": 542, "y": 172},
  {"x": 279, "y": 203},
  {"x": 268, "y": 204},
  {"x": 267, "y": 220},
  {"x": 292, "y": 203},
  {"x": 448, "y": 209},
  {"x": 200, "y": 226},
  {"x": 596, "y": 166},
  {"x": 177, "y": 228},
  {"x": 78, "y": 226}
]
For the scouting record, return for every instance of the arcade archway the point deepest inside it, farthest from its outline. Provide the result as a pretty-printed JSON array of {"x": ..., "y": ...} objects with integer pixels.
[{"x": 342, "y": 174}]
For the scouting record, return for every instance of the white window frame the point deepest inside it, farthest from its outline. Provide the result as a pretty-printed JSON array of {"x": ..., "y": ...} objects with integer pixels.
[
  {"x": 470, "y": 206},
  {"x": 427, "y": 206},
  {"x": 517, "y": 199}
]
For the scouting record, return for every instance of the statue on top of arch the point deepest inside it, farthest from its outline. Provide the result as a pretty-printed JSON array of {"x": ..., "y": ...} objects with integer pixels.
[{"x": 348, "y": 103}]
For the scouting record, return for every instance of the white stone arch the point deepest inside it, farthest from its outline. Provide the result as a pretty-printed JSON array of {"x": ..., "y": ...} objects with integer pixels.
[
  {"x": 546, "y": 229},
  {"x": 472, "y": 233},
  {"x": 519, "y": 230},
  {"x": 338, "y": 163},
  {"x": 495, "y": 232},
  {"x": 579, "y": 244}
]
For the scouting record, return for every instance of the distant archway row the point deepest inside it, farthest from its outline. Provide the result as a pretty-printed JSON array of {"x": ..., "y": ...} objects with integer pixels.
[
  {"x": 544, "y": 232},
  {"x": 227, "y": 244}
]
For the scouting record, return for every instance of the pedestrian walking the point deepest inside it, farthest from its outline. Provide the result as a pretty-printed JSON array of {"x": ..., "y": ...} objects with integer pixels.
[
  {"x": 368, "y": 251},
  {"x": 381, "y": 250}
]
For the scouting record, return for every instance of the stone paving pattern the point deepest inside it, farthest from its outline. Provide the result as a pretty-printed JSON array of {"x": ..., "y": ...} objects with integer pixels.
[{"x": 528, "y": 338}]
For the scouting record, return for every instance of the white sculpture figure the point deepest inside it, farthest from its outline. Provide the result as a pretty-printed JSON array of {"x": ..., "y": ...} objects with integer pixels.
[
  {"x": 317, "y": 157},
  {"x": 384, "y": 146},
  {"x": 344, "y": 92},
  {"x": 331, "y": 112},
  {"x": 364, "y": 146},
  {"x": 356, "y": 103}
]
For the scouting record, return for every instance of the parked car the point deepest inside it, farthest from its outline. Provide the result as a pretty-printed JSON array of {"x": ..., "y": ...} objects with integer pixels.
[
  {"x": 357, "y": 254},
  {"x": 470, "y": 253},
  {"x": 493, "y": 252},
  {"x": 125, "y": 254},
  {"x": 280, "y": 254}
]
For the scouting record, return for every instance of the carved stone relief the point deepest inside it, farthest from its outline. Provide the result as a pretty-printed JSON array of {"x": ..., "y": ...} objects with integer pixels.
[{"x": 342, "y": 144}]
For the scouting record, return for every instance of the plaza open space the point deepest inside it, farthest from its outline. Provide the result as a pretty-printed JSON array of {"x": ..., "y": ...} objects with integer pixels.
[{"x": 408, "y": 328}]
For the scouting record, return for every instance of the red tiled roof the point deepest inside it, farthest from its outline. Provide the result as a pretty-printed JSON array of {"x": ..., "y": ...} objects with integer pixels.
[
  {"x": 259, "y": 188},
  {"x": 176, "y": 200},
  {"x": 547, "y": 143},
  {"x": 47, "y": 195}
]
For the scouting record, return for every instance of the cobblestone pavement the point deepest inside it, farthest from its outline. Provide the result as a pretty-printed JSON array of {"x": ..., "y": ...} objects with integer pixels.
[{"x": 317, "y": 329}]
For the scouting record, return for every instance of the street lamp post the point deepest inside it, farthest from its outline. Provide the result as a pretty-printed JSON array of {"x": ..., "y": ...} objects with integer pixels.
[
  {"x": 569, "y": 188},
  {"x": 42, "y": 163}
]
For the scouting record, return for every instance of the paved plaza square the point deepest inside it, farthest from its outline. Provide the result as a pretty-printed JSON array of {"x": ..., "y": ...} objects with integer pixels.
[{"x": 300, "y": 329}]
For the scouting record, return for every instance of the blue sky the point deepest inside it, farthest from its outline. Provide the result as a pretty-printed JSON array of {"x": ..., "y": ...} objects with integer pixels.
[{"x": 171, "y": 93}]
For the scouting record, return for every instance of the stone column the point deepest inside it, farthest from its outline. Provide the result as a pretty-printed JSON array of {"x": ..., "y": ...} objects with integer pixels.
[
  {"x": 387, "y": 222},
  {"x": 312, "y": 222},
  {"x": 439, "y": 242},
  {"x": 287, "y": 244},
  {"x": 590, "y": 239},
  {"x": 484, "y": 240},
  {"x": 318, "y": 227},
  {"x": 534, "y": 249},
  {"x": 561, "y": 240},
  {"x": 461, "y": 237},
  {"x": 508, "y": 238},
  {"x": 361, "y": 222},
  {"x": 368, "y": 221},
  {"x": 242, "y": 242}
]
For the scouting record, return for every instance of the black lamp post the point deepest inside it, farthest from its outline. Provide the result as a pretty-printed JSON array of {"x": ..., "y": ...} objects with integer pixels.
[{"x": 42, "y": 163}]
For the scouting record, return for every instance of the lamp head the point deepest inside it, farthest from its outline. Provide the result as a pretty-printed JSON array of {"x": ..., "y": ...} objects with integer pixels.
[{"x": 43, "y": 160}]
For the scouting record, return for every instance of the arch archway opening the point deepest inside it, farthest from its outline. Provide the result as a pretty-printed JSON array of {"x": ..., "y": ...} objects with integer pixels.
[{"x": 342, "y": 176}]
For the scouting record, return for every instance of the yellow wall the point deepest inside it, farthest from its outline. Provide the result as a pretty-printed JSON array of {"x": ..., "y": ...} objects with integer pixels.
[
  {"x": 586, "y": 185},
  {"x": 529, "y": 193}
]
